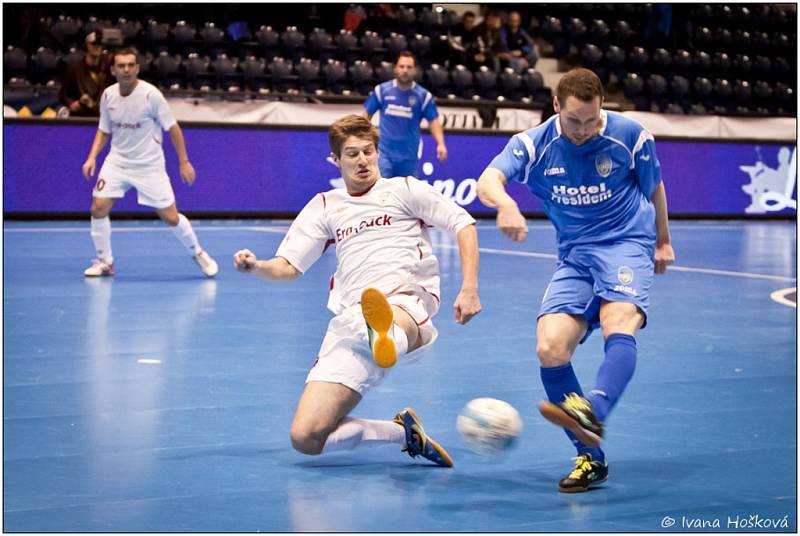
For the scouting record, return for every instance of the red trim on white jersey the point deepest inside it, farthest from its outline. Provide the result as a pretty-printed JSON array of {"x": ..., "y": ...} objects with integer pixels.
[{"x": 324, "y": 201}]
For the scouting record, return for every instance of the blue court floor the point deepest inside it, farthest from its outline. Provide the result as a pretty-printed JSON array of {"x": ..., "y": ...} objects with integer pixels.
[{"x": 161, "y": 401}]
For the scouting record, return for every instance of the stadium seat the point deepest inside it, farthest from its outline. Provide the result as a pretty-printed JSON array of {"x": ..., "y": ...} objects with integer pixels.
[
  {"x": 167, "y": 69},
  {"x": 486, "y": 82},
  {"x": 438, "y": 80},
  {"x": 335, "y": 74},
  {"x": 405, "y": 17},
  {"x": 702, "y": 62},
  {"x": 742, "y": 90},
  {"x": 703, "y": 87},
  {"x": 65, "y": 30},
  {"x": 46, "y": 65},
  {"x": 227, "y": 74},
  {"x": 15, "y": 62},
  {"x": 723, "y": 88},
  {"x": 213, "y": 40},
  {"x": 511, "y": 84},
  {"x": 462, "y": 82},
  {"x": 396, "y": 43},
  {"x": 421, "y": 47},
  {"x": 281, "y": 74},
  {"x": 184, "y": 35},
  {"x": 598, "y": 29},
  {"x": 683, "y": 60},
  {"x": 308, "y": 75},
  {"x": 633, "y": 85},
  {"x": 592, "y": 56},
  {"x": 721, "y": 62},
  {"x": 130, "y": 29},
  {"x": 198, "y": 74},
  {"x": 762, "y": 90},
  {"x": 156, "y": 35},
  {"x": 347, "y": 46},
  {"x": 532, "y": 80},
  {"x": 662, "y": 58},
  {"x": 697, "y": 109},
  {"x": 384, "y": 71},
  {"x": 615, "y": 56},
  {"x": 576, "y": 29},
  {"x": 623, "y": 31},
  {"x": 450, "y": 18},
  {"x": 679, "y": 86},
  {"x": 638, "y": 58},
  {"x": 320, "y": 45},
  {"x": 761, "y": 40},
  {"x": 657, "y": 85},
  {"x": 74, "y": 55},
  {"x": 269, "y": 40},
  {"x": 293, "y": 42},
  {"x": 742, "y": 64},
  {"x": 254, "y": 72},
  {"x": 361, "y": 73}
]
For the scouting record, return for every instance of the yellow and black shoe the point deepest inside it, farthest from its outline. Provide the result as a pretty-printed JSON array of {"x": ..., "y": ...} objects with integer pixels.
[
  {"x": 378, "y": 313},
  {"x": 587, "y": 473},
  {"x": 576, "y": 415},
  {"x": 417, "y": 441}
]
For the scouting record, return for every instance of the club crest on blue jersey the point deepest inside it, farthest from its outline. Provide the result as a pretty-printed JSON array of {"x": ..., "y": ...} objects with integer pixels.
[
  {"x": 603, "y": 165},
  {"x": 625, "y": 275}
]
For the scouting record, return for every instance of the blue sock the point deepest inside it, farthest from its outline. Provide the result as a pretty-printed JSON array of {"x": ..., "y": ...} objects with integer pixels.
[
  {"x": 560, "y": 381},
  {"x": 614, "y": 374}
]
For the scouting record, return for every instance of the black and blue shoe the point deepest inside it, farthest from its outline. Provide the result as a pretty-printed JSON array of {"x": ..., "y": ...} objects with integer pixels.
[{"x": 418, "y": 443}]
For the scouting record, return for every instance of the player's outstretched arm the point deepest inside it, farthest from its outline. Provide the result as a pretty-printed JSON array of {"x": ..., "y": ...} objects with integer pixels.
[
  {"x": 437, "y": 131},
  {"x": 275, "y": 269},
  {"x": 665, "y": 255},
  {"x": 100, "y": 139},
  {"x": 187, "y": 170},
  {"x": 467, "y": 303},
  {"x": 492, "y": 193}
]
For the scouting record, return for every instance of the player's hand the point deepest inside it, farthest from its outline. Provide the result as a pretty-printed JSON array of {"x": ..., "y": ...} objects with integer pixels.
[
  {"x": 74, "y": 106},
  {"x": 665, "y": 256},
  {"x": 244, "y": 260},
  {"x": 187, "y": 173},
  {"x": 512, "y": 223},
  {"x": 88, "y": 168},
  {"x": 441, "y": 152},
  {"x": 467, "y": 305}
]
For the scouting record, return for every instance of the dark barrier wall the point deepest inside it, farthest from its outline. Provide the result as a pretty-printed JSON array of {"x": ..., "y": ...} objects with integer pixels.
[{"x": 251, "y": 170}]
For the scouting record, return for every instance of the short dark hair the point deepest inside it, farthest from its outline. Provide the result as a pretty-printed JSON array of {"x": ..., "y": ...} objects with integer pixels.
[
  {"x": 406, "y": 54},
  {"x": 124, "y": 51},
  {"x": 351, "y": 125},
  {"x": 468, "y": 14},
  {"x": 580, "y": 83}
]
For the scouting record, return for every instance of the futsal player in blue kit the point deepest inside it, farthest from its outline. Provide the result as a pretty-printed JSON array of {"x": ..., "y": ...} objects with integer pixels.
[
  {"x": 598, "y": 177},
  {"x": 403, "y": 104}
]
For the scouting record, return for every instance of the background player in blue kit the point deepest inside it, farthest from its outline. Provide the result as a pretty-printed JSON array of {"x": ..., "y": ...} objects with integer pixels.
[
  {"x": 599, "y": 179},
  {"x": 403, "y": 104}
]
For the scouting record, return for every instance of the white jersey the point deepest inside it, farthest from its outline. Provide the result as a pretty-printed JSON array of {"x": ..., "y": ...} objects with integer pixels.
[
  {"x": 135, "y": 123},
  {"x": 381, "y": 238}
]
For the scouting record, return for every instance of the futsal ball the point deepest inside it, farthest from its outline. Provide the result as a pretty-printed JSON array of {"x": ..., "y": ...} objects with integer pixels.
[{"x": 489, "y": 425}]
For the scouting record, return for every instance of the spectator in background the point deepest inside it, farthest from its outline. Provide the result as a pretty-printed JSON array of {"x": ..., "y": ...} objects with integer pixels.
[
  {"x": 85, "y": 80},
  {"x": 517, "y": 48},
  {"x": 489, "y": 33},
  {"x": 465, "y": 42},
  {"x": 403, "y": 104}
]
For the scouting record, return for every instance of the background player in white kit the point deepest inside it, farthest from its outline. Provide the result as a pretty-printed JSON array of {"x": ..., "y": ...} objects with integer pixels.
[
  {"x": 385, "y": 262},
  {"x": 133, "y": 112}
]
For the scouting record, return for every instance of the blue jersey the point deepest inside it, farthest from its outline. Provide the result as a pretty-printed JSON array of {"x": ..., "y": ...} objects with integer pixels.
[
  {"x": 401, "y": 113},
  {"x": 593, "y": 193}
]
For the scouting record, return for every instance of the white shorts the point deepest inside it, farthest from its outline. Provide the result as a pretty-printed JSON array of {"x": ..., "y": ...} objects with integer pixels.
[
  {"x": 153, "y": 188},
  {"x": 345, "y": 356}
]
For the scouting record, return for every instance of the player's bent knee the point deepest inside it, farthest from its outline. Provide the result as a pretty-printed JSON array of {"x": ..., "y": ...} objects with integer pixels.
[
  {"x": 552, "y": 353},
  {"x": 306, "y": 442}
]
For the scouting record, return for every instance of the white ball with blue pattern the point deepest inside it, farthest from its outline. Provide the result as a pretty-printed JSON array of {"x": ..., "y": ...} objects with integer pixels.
[{"x": 488, "y": 425}]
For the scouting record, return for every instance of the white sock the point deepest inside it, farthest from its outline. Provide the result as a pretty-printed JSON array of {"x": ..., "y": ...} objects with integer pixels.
[
  {"x": 101, "y": 236},
  {"x": 400, "y": 339},
  {"x": 186, "y": 235},
  {"x": 353, "y": 432}
]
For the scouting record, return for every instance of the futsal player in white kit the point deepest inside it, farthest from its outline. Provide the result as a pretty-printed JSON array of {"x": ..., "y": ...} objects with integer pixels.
[
  {"x": 133, "y": 113},
  {"x": 384, "y": 292}
]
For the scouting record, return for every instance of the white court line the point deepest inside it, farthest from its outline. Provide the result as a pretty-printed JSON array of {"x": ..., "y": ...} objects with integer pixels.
[
  {"x": 282, "y": 229},
  {"x": 673, "y": 267},
  {"x": 780, "y": 296}
]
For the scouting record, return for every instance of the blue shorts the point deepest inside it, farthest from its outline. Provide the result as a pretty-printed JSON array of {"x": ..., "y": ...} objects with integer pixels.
[
  {"x": 616, "y": 272},
  {"x": 397, "y": 168}
]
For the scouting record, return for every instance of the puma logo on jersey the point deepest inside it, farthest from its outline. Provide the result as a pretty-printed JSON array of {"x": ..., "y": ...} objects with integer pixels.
[
  {"x": 518, "y": 152},
  {"x": 645, "y": 157}
]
